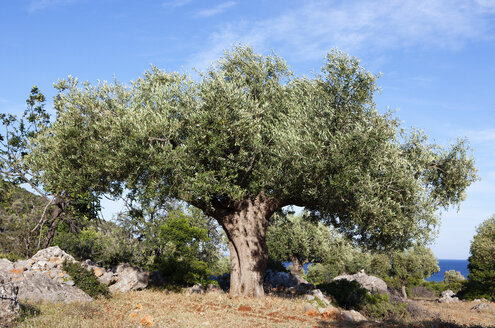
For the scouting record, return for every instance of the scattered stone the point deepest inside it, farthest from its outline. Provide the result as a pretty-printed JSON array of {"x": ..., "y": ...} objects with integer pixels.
[
  {"x": 480, "y": 306},
  {"x": 308, "y": 307},
  {"x": 352, "y": 316},
  {"x": 196, "y": 289},
  {"x": 371, "y": 283},
  {"x": 448, "y": 297},
  {"x": 98, "y": 271},
  {"x": 331, "y": 312}
]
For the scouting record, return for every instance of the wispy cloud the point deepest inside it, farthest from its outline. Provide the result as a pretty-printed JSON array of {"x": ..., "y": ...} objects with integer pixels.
[
  {"x": 36, "y": 5},
  {"x": 487, "y": 135},
  {"x": 176, "y": 3},
  {"x": 216, "y": 10},
  {"x": 311, "y": 29}
]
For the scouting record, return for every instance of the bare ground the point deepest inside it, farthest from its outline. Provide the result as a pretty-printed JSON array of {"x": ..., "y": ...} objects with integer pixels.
[{"x": 159, "y": 309}]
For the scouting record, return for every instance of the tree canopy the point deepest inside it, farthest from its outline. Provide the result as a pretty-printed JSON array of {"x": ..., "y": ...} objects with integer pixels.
[
  {"x": 481, "y": 265},
  {"x": 247, "y": 138}
]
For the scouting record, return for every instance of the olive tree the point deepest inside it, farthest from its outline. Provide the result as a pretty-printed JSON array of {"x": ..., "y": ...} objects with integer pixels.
[
  {"x": 292, "y": 238},
  {"x": 481, "y": 278},
  {"x": 247, "y": 138},
  {"x": 414, "y": 263}
]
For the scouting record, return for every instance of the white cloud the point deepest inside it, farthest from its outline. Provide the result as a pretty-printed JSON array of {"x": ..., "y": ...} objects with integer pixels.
[
  {"x": 308, "y": 31},
  {"x": 487, "y": 135},
  {"x": 216, "y": 10},
  {"x": 176, "y": 3},
  {"x": 36, "y": 5}
]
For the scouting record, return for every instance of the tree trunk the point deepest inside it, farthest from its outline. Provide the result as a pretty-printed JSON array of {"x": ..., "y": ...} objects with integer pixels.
[
  {"x": 52, "y": 228},
  {"x": 245, "y": 227},
  {"x": 297, "y": 266},
  {"x": 404, "y": 294}
]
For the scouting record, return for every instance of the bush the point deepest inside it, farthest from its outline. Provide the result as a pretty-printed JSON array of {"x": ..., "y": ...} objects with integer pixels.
[
  {"x": 481, "y": 266},
  {"x": 85, "y": 280},
  {"x": 452, "y": 276},
  {"x": 347, "y": 294},
  {"x": 379, "y": 307},
  {"x": 184, "y": 272}
]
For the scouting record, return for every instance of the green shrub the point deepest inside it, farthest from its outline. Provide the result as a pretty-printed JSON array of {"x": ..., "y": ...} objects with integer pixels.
[
  {"x": 184, "y": 272},
  {"x": 451, "y": 276},
  {"x": 379, "y": 307},
  {"x": 481, "y": 266},
  {"x": 347, "y": 294},
  {"x": 85, "y": 280}
]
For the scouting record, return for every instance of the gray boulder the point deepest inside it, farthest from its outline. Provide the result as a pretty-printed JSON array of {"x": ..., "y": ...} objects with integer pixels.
[
  {"x": 371, "y": 283},
  {"x": 129, "y": 278},
  {"x": 352, "y": 316},
  {"x": 448, "y": 297},
  {"x": 39, "y": 286},
  {"x": 9, "y": 304}
]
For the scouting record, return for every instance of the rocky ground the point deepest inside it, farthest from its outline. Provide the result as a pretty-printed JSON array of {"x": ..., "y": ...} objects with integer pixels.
[{"x": 48, "y": 298}]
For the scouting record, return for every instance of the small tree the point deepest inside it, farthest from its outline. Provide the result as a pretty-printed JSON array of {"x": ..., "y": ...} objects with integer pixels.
[
  {"x": 452, "y": 276},
  {"x": 292, "y": 238},
  {"x": 412, "y": 264},
  {"x": 481, "y": 278}
]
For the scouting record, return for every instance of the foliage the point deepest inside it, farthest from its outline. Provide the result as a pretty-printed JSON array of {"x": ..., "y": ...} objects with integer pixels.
[
  {"x": 312, "y": 142},
  {"x": 452, "y": 276},
  {"x": 380, "y": 307},
  {"x": 347, "y": 294},
  {"x": 481, "y": 278},
  {"x": 184, "y": 272},
  {"x": 20, "y": 212},
  {"x": 102, "y": 242},
  {"x": 413, "y": 265},
  {"x": 248, "y": 131},
  {"x": 293, "y": 238},
  {"x": 85, "y": 280},
  {"x": 441, "y": 286},
  {"x": 221, "y": 266}
]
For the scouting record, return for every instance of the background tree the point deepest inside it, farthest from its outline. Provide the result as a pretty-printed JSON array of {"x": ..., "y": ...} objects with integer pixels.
[
  {"x": 36, "y": 222},
  {"x": 248, "y": 138},
  {"x": 413, "y": 264},
  {"x": 481, "y": 278},
  {"x": 292, "y": 238}
]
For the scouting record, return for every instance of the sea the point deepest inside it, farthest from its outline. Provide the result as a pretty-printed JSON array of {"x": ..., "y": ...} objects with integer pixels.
[{"x": 446, "y": 265}]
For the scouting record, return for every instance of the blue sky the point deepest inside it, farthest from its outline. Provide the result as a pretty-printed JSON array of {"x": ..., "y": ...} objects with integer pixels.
[{"x": 436, "y": 57}]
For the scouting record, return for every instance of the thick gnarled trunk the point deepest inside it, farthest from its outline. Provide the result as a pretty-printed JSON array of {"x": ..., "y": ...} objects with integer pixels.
[{"x": 246, "y": 229}]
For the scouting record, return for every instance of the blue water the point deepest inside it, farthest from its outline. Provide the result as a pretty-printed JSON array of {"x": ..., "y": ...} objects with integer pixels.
[{"x": 446, "y": 265}]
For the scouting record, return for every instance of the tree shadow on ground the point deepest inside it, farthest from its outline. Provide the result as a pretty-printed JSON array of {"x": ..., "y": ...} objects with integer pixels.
[{"x": 433, "y": 323}]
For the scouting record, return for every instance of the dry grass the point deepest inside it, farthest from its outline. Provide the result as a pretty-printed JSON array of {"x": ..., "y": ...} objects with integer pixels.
[
  {"x": 461, "y": 313},
  {"x": 158, "y": 309}
]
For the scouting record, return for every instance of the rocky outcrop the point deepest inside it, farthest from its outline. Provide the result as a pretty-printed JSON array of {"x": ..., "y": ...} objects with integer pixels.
[
  {"x": 9, "y": 304},
  {"x": 448, "y": 296},
  {"x": 42, "y": 277},
  {"x": 371, "y": 283},
  {"x": 127, "y": 278}
]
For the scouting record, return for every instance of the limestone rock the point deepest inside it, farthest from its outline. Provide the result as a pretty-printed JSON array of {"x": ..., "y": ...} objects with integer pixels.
[
  {"x": 196, "y": 289},
  {"x": 38, "y": 286},
  {"x": 129, "y": 278},
  {"x": 9, "y": 304},
  {"x": 448, "y": 297},
  {"x": 480, "y": 306},
  {"x": 371, "y": 283},
  {"x": 352, "y": 316}
]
